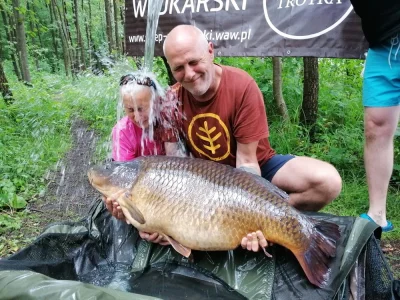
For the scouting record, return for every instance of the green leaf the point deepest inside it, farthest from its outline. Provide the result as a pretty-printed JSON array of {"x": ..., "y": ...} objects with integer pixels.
[{"x": 17, "y": 202}]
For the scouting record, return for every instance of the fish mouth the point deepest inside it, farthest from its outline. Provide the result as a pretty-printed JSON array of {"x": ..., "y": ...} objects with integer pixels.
[
  {"x": 99, "y": 180},
  {"x": 113, "y": 178}
]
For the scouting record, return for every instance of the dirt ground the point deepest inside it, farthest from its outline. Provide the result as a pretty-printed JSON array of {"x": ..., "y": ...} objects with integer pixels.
[
  {"x": 69, "y": 192},
  {"x": 70, "y": 195},
  {"x": 392, "y": 253}
]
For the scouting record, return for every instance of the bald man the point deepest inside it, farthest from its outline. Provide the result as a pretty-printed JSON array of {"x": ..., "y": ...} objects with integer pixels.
[
  {"x": 229, "y": 100},
  {"x": 225, "y": 121}
]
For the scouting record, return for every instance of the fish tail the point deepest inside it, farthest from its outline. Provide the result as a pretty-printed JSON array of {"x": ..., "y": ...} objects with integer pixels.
[{"x": 322, "y": 247}]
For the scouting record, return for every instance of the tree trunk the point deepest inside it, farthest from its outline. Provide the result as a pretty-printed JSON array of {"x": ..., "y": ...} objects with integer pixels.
[
  {"x": 309, "y": 108},
  {"x": 33, "y": 41},
  {"x": 117, "y": 39},
  {"x": 102, "y": 21},
  {"x": 14, "y": 39},
  {"x": 88, "y": 29},
  {"x": 53, "y": 18},
  {"x": 68, "y": 38},
  {"x": 37, "y": 28},
  {"x": 63, "y": 36},
  {"x": 81, "y": 49},
  {"x": 4, "y": 88},
  {"x": 122, "y": 17},
  {"x": 138, "y": 62},
  {"x": 21, "y": 42},
  {"x": 277, "y": 88},
  {"x": 10, "y": 37},
  {"x": 65, "y": 22},
  {"x": 108, "y": 25}
]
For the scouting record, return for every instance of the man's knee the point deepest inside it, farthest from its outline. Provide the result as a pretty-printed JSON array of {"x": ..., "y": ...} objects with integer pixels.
[
  {"x": 323, "y": 187},
  {"x": 373, "y": 132},
  {"x": 329, "y": 185},
  {"x": 380, "y": 124}
]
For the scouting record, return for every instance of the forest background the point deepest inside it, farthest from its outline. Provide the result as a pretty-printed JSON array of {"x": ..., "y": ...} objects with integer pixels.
[{"x": 61, "y": 60}]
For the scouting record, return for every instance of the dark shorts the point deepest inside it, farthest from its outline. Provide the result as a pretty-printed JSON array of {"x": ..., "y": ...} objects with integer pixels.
[{"x": 269, "y": 169}]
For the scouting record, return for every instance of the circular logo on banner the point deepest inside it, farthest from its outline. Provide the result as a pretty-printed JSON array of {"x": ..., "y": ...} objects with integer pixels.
[
  {"x": 206, "y": 132},
  {"x": 305, "y": 19}
]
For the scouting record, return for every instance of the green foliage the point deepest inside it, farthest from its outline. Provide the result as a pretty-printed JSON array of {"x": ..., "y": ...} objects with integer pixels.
[
  {"x": 339, "y": 128},
  {"x": 34, "y": 133},
  {"x": 44, "y": 34},
  {"x": 160, "y": 71},
  {"x": 260, "y": 69},
  {"x": 9, "y": 223}
]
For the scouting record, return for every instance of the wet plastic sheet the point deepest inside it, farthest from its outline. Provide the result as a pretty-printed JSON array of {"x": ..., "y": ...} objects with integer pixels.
[
  {"x": 30, "y": 285},
  {"x": 79, "y": 258}
]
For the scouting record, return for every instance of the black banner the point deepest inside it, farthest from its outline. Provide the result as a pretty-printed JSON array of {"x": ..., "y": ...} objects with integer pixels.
[{"x": 319, "y": 28}]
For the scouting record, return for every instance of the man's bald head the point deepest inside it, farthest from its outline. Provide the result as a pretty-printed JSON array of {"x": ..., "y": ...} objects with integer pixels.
[
  {"x": 182, "y": 36},
  {"x": 191, "y": 59}
]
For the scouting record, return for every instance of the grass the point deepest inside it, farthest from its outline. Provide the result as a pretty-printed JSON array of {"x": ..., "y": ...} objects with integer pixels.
[
  {"x": 34, "y": 134},
  {"x": 354, "y": 200}
]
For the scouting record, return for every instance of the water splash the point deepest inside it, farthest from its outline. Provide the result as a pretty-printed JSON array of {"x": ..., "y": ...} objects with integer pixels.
[
  {"x": 132, "y": 88},
  {"x": 61, "y": 183},
  {"x": 105, "y": 86},
  {"x": 153, "y": 13}
]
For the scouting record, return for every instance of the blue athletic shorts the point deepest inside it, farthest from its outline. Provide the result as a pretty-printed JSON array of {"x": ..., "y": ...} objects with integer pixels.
[
  {"x": 381, "y": 87},
  {"x": 269, "y": 169}
]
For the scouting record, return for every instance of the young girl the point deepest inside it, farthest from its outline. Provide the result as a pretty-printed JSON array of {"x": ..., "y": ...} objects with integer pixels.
[{"x": 136, "y": 134}]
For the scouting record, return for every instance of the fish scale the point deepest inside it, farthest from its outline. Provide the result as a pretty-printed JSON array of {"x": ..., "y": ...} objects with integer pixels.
[{"x": 203, "y": 205}]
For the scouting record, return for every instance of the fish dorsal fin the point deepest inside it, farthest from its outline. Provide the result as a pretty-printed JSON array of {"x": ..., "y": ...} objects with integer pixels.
[
  {"x": 178, "y": 247},
  {"x": 133, "y": 211}
]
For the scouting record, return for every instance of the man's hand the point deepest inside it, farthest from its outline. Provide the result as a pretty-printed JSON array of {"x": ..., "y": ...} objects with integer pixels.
[
  {"x": 153, "y": 238},
  {"x": 114, "y": 208},
  {"x": 253, "y": 241}
]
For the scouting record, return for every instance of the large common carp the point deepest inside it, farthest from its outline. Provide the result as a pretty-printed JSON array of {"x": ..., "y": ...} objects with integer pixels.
[{"x": 203, "y": 205}]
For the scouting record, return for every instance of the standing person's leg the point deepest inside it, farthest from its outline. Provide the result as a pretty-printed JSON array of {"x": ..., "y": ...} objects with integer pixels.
[
  {"x": 381, "y": 99},
  {"x": 380, "y": 126}
]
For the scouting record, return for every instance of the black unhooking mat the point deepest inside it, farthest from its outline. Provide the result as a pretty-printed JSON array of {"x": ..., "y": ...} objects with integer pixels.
[{"x": 103, "y": 258}]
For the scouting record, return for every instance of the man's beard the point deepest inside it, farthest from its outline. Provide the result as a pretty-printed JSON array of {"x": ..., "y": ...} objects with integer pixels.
[{"x": 200, "y": 88}]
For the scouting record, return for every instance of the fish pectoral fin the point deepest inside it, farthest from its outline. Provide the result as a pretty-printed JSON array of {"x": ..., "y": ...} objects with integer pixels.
[
  {"x": 133, "y": 211},
  {"x": 178, "y": 247}
]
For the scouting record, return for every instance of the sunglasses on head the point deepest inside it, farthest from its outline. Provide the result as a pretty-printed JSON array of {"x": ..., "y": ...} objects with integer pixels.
[{"x": 141, "y": 81}]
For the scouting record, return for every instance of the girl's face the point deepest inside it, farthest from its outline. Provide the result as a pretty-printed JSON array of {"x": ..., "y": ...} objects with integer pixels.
[{"x": 137, "y": 108}]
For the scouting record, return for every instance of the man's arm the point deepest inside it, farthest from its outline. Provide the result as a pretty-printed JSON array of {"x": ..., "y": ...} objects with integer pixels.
[
  {"x": 173, "y": 149},
  {"x": 246, "y": 157}
]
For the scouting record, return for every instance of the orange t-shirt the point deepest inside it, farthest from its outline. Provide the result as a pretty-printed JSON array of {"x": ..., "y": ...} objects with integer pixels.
[{"x": 235, "y": 114}]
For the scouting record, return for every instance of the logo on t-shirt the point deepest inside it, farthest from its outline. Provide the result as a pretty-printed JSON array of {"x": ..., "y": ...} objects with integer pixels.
[{"x": 209, "y": 136}]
